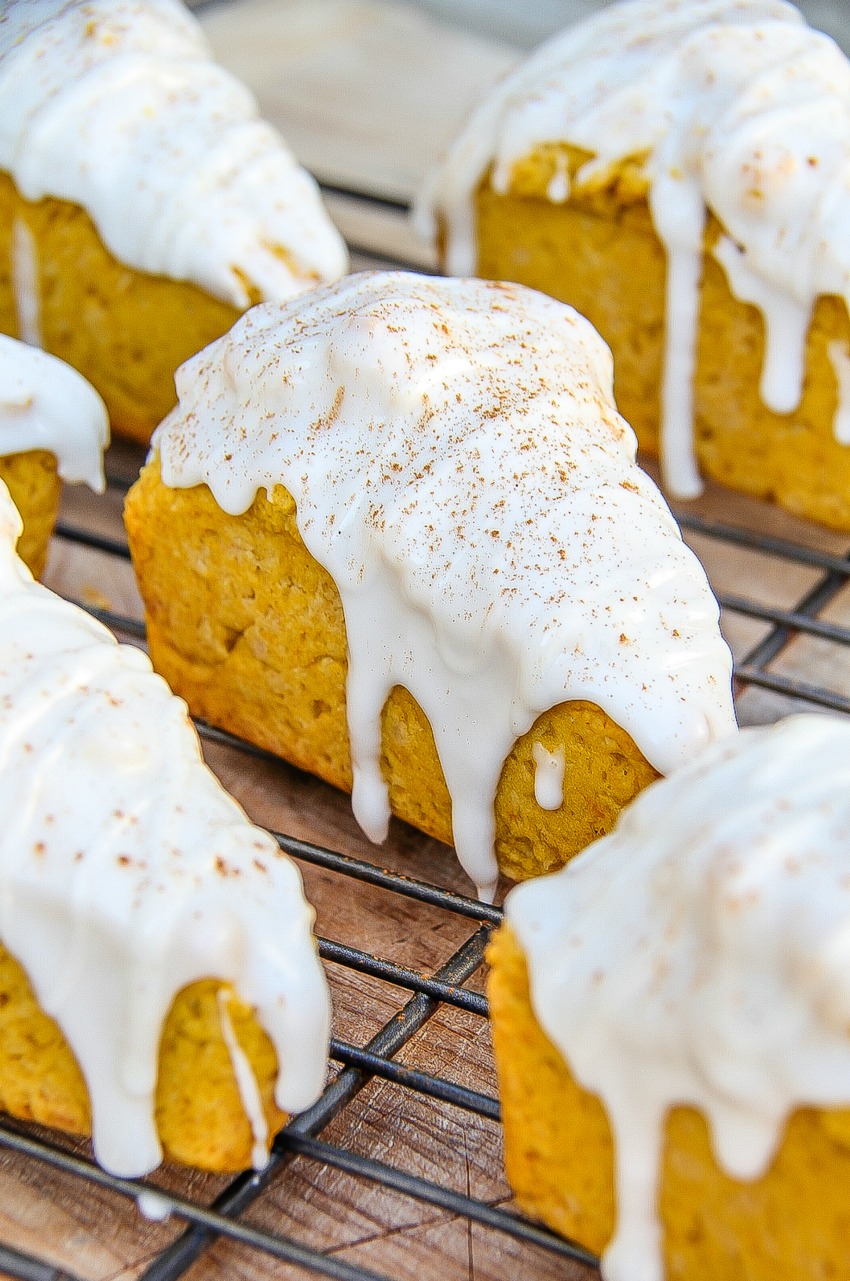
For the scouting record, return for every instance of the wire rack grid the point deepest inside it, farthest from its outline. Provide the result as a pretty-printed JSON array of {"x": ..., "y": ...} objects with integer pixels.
[{"x": 201, "y": 1222}]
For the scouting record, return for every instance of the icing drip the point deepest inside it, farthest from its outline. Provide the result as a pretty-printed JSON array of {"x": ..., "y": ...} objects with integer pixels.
[
  {"x": 558, "y": 190},
  {"x": 459, "y": 469},
  {"x": 128, "y": 873},
  {"x": 548, "y": 776},
  {"x": 698, "y": 955},
  {"x": 246, "y": 1083},
  {"x": 740, "y": 109},
  {"x": 44, "y": 404},
  {"x": 153, "y": 1206},
  {"x": 678, "y": 460},
  {"x": 841, "y": 367},
  {"x": 118, "y": 106},
  {"x": 786, "y": 323},
  {"x": 24, "y": 266}
]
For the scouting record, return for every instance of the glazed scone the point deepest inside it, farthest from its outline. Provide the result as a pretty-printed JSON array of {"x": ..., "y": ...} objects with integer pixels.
[
  {"x": 394, "y": 531},
  {"x": 160, "y": 987},
  {"x": 143, "y": 203},
  {"x": 671, "y": 1019},
  {"x": 53, "y": 426},
  {"x": 677, "y": 170}
]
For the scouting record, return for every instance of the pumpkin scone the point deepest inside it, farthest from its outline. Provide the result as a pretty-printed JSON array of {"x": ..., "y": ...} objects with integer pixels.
[
  {"x": 677, "y": 170},
  {"x": 394, "y": 532},
  {"x": 144, "y": 204},
  {"x": 160, "y": 987},
  {"x": 671, "y": 1020}
]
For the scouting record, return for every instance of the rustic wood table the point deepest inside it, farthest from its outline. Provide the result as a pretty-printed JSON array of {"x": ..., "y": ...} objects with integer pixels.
[{"x": 397, "y": 1172}]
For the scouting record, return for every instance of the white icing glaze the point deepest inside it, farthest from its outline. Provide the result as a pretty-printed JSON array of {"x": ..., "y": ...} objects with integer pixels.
[
  {"x": 737, "y": 107},
  {"x": 127, "y": 872},
  {"x": 117, "y": 106},
  {"x": 24, "y": 267},
  {"x": 153, "y": 1206},
  {"x": 45, "y": 404},
  {"x": 548, "y": 776},
  {"x": 698, "y": 955},
  {"x": 460, "y": 470}
]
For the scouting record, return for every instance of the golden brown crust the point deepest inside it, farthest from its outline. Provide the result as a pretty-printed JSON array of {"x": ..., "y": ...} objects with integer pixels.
[
  {"x": 34, "y": 484},
  {"x": 124, "y": 330},
  {"x": 559, "y": 1154},
  {"x": 248, "y": 628},
  {"x": 558, "y": 1147},
  {"x": 199, "y": 1112},
  {"x": 600, "y": 252}
]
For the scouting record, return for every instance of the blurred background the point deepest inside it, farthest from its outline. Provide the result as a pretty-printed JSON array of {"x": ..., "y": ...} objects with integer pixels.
[{"x": 526, "y": 24}]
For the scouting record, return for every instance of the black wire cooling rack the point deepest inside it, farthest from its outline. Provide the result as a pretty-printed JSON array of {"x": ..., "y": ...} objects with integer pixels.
[{"x": 224, "y": 1217}]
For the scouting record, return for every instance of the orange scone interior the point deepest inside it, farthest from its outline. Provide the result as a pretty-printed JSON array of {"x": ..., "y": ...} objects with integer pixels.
[
  {"x": 394, "y": 531},
  {"x": 143, "y": 202},
  {"x": 159, "y": 983},
  {"x": 53, "y": 426},
  {"x": 661, "y": 168},
  {"x": 675, "y": 1081}
]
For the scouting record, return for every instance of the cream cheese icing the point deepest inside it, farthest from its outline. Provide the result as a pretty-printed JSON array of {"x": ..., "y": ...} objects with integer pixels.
[
  {"x": 459, "y": 469},
  {"x": 737, "y": 107},
  {"x": 698, "y": 955},
  {"x": 127, "y": 872},
  {"x": 25, "y": 290},
  {"x": 118, "y": 106},
  {"x": 44, "y": 404}
]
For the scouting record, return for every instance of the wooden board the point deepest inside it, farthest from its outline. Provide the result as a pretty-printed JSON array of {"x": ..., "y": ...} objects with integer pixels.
[{"x": 368, "y": 94}]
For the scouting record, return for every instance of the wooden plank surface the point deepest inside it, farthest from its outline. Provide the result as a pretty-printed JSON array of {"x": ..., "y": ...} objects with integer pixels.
[{"x": 368, "y": 95}]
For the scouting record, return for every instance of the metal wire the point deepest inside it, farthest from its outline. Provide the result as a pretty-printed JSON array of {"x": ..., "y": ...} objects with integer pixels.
[{"x": 429, "y": 992}]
